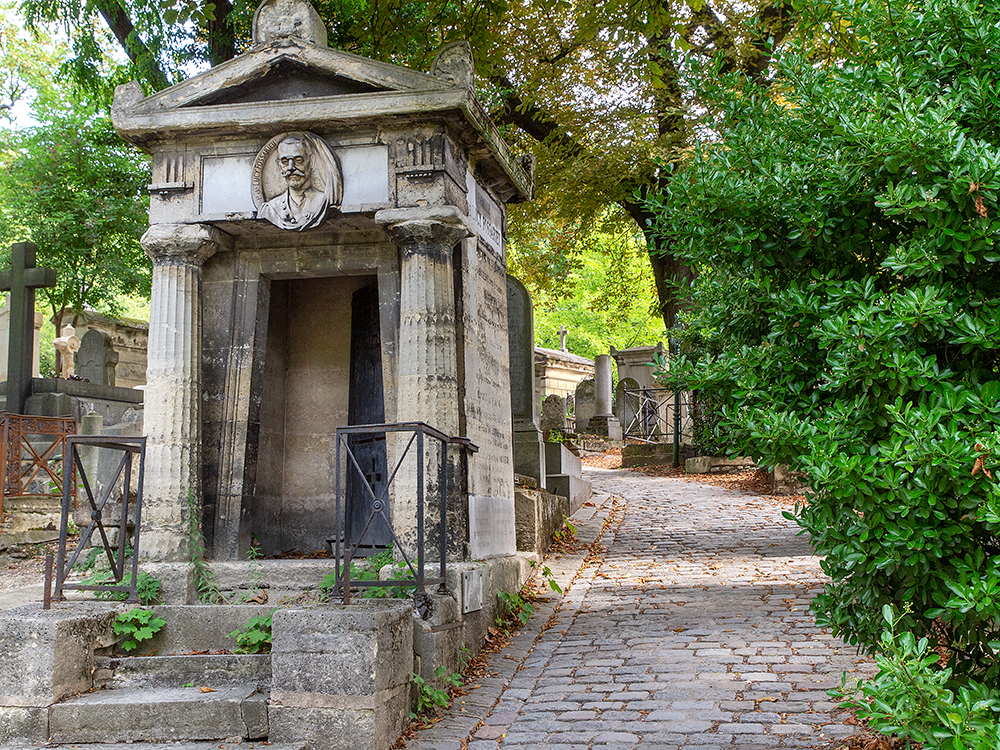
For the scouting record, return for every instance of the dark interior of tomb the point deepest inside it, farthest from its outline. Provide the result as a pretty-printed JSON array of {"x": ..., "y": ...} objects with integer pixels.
[{"x": 322, "y": 369}]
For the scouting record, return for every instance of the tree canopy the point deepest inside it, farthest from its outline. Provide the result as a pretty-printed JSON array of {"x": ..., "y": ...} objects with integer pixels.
[
  {"x": 849, "y": 317},
  {"x": 74, "y": 188},
  {"x": 592, "y": 89}
]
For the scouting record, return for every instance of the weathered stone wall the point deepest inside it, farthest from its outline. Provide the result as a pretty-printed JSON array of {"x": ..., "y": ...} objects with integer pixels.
[{"x": 486, "y": 398}]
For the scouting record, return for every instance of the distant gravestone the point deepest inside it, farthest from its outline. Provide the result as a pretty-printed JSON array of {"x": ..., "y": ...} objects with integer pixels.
[
  {"x": 626, "y": 405},
  {"x": 553, "y": 413},
  {"x": 585, "y": 404},
  {"x": 97, "y": 358},
  {"x": 529, "y": 450}
]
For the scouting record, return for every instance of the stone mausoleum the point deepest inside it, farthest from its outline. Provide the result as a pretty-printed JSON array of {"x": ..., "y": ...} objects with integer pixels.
[{"x": 327, "y": 235}]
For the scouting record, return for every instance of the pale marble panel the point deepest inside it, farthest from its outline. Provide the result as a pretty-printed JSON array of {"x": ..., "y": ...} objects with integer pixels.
[
  {"x": 491, "y": 527},
  {"x": 225, "y": 184},
  {"x": 366, "y": 175}
]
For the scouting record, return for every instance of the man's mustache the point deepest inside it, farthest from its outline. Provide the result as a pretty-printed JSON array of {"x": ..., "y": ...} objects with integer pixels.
[{"x": 292, "y": 170}]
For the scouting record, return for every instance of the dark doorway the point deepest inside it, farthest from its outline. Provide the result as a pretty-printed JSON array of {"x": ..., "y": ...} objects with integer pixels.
[{"x": 366, "y": 520}]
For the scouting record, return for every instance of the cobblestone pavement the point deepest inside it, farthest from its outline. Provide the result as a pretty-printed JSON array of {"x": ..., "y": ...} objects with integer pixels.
[{"x": 692, "y": 630}]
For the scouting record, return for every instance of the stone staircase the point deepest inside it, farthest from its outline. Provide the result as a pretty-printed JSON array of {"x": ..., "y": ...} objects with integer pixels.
[{"x": 192, "y": 696}]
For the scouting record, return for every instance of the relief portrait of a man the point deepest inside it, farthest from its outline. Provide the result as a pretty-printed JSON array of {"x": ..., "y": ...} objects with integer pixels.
[{"x": 304, "y": 181}]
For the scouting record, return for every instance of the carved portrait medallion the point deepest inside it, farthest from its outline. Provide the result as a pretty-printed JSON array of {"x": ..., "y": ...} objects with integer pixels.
[{"x": 296, "y": 179}]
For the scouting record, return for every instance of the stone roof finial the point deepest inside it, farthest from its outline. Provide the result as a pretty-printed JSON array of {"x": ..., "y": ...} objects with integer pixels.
[{"x": 288, "y": 19}]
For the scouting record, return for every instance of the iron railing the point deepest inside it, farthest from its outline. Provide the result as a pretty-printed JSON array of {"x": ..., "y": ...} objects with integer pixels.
[
  {"x": 347, "y": 542},
  {"x": 32, "y": 451},
  {"x": 655, "y": 415},
  {"x": 130, "y": 447}
]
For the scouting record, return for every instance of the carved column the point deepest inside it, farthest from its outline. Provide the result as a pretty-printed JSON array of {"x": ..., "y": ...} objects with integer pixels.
[
  {"x": 172, "y": 409},
  {"x": 427, "y": 382}
]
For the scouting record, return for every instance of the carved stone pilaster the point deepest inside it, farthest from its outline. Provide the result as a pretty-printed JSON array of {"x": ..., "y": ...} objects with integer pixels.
[
  {"x": 172, "y": 410},
  {"x": 428, "y": 371},
  {"x": 428, "y": 358}
]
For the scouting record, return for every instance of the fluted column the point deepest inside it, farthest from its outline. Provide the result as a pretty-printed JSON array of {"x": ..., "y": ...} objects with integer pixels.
[
  {"x": 172, "y": 410},
  {"x": 427, "y": 378}
]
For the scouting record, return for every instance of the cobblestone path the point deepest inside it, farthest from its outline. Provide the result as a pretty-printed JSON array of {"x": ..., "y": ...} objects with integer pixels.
[{"x": 692, "y": 630}]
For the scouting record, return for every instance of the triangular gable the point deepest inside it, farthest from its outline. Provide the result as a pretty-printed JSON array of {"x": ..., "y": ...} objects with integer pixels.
[{"x": 290, "y": 69}]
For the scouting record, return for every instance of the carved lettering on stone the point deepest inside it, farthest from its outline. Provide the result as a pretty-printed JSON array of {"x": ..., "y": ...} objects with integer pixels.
[{"x": 296, "y": 179}]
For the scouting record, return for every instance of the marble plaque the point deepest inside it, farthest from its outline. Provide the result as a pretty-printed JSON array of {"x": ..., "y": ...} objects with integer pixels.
[
  {"x": 491, "y": 527},
  {"x": 225, "y": 184},
  {"x": 486, "y": 213}
]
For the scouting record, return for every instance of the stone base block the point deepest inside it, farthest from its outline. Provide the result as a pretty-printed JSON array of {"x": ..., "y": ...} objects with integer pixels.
[
  {"x": 46, "y": 656},
  {"x": 560, "y": 460},
  {"x": 788, "y": 482},
  {"x": 573, "y": 488},
  {"x": 344, "y": 726},
  {"x": 648, "y": 454},
  {"x": 537, "y": 516},
  {"x": 607, "y": 425},
  {"x": 341, "y": 674},
  {"x": 720, "y": 464},
  {"x": 23, "y": 725},
  {"x": 529, "y": 455}
]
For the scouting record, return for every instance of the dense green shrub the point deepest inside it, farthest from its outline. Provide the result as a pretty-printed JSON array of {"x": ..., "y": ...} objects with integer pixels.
[{"x": 847, "y": 318}]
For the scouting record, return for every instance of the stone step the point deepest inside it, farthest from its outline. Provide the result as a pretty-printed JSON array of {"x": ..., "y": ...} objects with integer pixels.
[
  {"x": 160, "y": 715},
  {"x": 203, "y": 670}
]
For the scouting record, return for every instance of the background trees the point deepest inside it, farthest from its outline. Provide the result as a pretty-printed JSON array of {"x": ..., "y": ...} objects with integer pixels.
[
  {"x": 849, "y": 323},
  {"x": 592, "y": 88},
  {"x": 70, "y": 185}
]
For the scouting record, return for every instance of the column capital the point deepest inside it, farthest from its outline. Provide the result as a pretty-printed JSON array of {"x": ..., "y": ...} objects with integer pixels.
[
  {"x": 436, "y": 225},
  {"x": 183, "y": 244}
]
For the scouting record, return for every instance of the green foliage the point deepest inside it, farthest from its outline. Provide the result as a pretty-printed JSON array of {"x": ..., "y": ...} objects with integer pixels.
[
  {"x": 428, "y": 696},
  {"x": 846, "y": 320},
  {"x": 137, "y": 625},
  {"x": 74, "y": 188},
  {"x": 255, "y": 636},
  {"x": 911, "y": 697},
  {"x": 514, "y": 608},
  {"x": 564, "y": 533},
  {"x": 545, "y": 572},
  {"x": 204, "y": 578},
  {"x": 598, "y": 285},
  {"x": 147, "y": 587},
  {"x": 369, "y": 571}
]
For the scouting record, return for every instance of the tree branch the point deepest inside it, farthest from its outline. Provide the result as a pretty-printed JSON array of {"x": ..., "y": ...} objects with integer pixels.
[
  {"x": 531, "y": 119},
  {"x": 121, "y": 26},
  {"x": 221, "y": 35}
]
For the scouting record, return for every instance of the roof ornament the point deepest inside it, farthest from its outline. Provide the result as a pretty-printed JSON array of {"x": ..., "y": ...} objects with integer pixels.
[
  {"x": 453, "y": 63},
  {"x": 276, "y": 20}
]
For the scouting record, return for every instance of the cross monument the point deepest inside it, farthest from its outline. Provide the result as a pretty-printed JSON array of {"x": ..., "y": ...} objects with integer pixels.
[
  {"x": 562, "y": 338},
  {"x": 21, "y": 281}
]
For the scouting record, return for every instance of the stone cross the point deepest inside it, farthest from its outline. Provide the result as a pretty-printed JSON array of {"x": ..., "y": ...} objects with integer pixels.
[
  {"x": 21, "y": 281},
  {"x": 562, "y": 338}
]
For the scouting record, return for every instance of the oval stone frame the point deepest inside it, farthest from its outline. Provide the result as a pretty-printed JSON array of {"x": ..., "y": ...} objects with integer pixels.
[{"x": 267, "y": 183}]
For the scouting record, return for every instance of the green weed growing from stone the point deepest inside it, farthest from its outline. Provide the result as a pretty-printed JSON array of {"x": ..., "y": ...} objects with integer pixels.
[
  {"x": 255, "y": 636},
  {"x": 137, "y": 625}
]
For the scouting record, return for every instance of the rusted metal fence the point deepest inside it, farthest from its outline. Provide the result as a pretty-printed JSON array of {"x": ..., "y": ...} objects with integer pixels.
[
  {"x": 32, "y": 456},
  {"x": 376, "y": 493}
]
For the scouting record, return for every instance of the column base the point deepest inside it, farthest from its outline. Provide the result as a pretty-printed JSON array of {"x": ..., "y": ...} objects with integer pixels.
[{"x": 607, "y": 425}]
